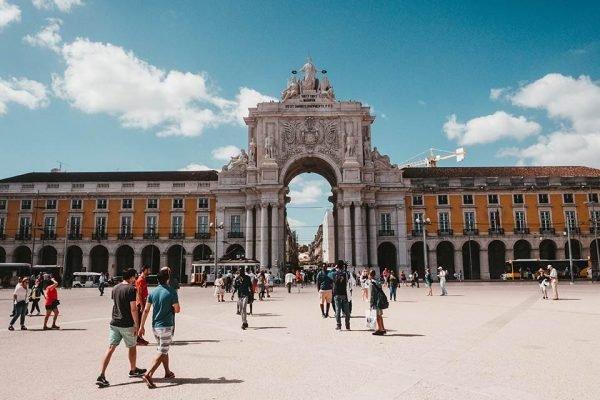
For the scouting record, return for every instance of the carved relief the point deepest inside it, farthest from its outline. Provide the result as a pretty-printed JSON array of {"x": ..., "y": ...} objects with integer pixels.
[{"x": 309, "y": 136}]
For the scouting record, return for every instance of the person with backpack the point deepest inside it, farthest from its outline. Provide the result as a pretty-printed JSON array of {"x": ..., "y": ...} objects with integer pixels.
[
  {"x": 35, "y": 296},
  {"x": 378, "y": 302},
  {"x": 340, "y": 297},
  {"x": 428, "y": 282},
  {"x": 324, "y": 287}
]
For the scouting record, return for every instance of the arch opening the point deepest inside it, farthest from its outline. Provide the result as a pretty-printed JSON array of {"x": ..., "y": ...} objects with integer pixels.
[
  {"x": 386, "y": 256},
  {"x": 471, "y": 260},
  {"x": 48, "y": 256},
  {"x": 151, "y": 258},
  {"x": 497, "y": 258},
  {"x": 445, "y": 257},
  {"x": 99, "y": 259},
  {"x": 176, "y": 261},
  {"x": 125, "y": 258}
]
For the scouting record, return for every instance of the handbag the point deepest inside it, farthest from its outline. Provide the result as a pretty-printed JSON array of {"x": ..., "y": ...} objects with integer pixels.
[
  {"x": 382, "y": 301},
  {"x": 371, "y": 317}
]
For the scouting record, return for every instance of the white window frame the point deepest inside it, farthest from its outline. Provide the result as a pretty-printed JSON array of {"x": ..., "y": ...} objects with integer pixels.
[
  {"x": 542, "y": 220},
  {"x": 126, "y": 229},
  {"x": 202, "y": 225},
  {"x": 520, "y": 224},
  {"x": 495, "y": 224},
  {"x": 177, "y": 228},
  {"x": 235, "y": 221},
  {"x": 568, "y": 220},
  {"x": 444, "y": 224},
  {"x": 466, "y": 220}
]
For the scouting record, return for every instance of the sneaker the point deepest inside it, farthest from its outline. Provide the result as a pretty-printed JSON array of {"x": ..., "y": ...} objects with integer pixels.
[
  {"x": 136, "y": 373},
  {"x": 102, "y": 382},
  {"x": 46, "y": 328},
  {"x": 347, "y": 327},
  {"x": 142, "y": 342},
  {"x": 23, "y": 328},
  {"x": 55, "y": 327},
  {"x": 149, "y": 382},
  {"x": 338, "y": 328},
  {"x": 244, "y": 325},
  {"x": 11, "y": 328},
  {"x": 378, "y": 333}
]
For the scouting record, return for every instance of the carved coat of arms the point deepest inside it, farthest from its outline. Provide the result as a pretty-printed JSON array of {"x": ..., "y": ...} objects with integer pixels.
[{"x": 310, "y": 135}]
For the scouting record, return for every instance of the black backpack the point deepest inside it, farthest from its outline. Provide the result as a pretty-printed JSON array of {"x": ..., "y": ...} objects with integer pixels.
[
  {"x": 381, "y": 301},
  {"x": 340, "y": 282}
]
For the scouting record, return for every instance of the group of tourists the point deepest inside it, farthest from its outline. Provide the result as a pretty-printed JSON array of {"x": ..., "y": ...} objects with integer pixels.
[
  {"x": 43, "y": 286},
  {"x": 548, "y": 277}
]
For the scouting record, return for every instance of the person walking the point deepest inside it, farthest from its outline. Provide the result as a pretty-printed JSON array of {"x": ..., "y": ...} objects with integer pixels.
[
  {"x": 428, "y": 282},
  {"x": 442, "y": 278},
  {"x": 165, "y": 304},
  {"x": 340, "y": 297},
  {"x": 403, "y": 279},
  {"x": 553, "y": 281},
  {"x": 325, "y": 289},
  {"x": 220, "y": 288},
  {"x": 543, "y": 282},
  {"x": 378, "y": 302},
  {"x": 20, "y": 304},
  {"x": 299, "y": 280},
  {"x": 393, "y": 285},
  {"x": 243, "y": 287},
  {"x": 101, "y": 283},
  {"x": 141, "y": 289},
  {"x": 268, "y": 282},
  {"x": 35, "y": 296},
  {"x": 262, "y": 285},
  {"x": 289, "y": 281},
  {"x": 51, "y": 304},
  {"x": 123, "y": 326},
  {"x": 415, "y": 280}
]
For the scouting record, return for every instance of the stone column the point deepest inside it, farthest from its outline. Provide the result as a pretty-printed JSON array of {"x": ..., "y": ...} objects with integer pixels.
[
  {"x": 188, "y": 265},
  {"x": 112, "y": 263},
  {"x": 249, "y": 230},
  {"x": 137, "y": 260},
  {"x": 359, "y": 241},
  {"x": 274, "y": 235},
  {"x": 373, "y": 234},
  {"x": 220, "y": 221},
  {"x": 347, "y": 224},
  {"x": 164, "y": 261},
  {"x": 484, "y": 263},
  {"x": 264, "y": 235},
  {"x": 458, "y": 261},
  {"x": 401, "y": 234}
]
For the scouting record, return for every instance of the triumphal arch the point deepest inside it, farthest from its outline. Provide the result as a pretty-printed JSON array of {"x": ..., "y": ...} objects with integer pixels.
[{"x": 309, "y": 130}]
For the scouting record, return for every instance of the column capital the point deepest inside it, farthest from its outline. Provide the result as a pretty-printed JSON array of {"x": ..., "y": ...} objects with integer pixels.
[
  {"x": 371, "y": 204},
  {"x": 264, "y": 204},
  {"x": 249, "y": 207},
  {"x": 220, "y": 208},
  {"x": 274, "y": 205}
]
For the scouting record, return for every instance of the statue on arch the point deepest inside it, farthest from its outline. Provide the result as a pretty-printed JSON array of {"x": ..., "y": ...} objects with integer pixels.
[
  {"x": 292, "y": 90},
  {"x": 238, "y": 161},
  {"x": 269, "y": 147},
  {"x": 350, "y": 145},
  {"x": 252, "y": 151},
  {"x": 310, "y": 72}
]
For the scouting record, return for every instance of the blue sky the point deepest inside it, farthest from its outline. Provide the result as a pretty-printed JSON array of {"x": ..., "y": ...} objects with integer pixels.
[{"x": 157, "y": 85}]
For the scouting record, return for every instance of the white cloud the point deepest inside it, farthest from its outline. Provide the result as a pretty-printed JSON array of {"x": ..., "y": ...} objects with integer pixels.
[
  {"x": 62, "y": 5},
  {"x": 306, "y": 191},
  {"x": 225, "y": 153},
  {"x": 490, "y": 128},
  {"x": 104, "y": 78},
  {"x": 247, "y": 98},
  {"x": 196, "y": 167},
  {"x": 49, "y": 37},
  {"x": 295, "y": 223},
  {"x": 497, "y": 93},
  {"x": 8, "y": 13},
  {"x": 23, "y": 91}
]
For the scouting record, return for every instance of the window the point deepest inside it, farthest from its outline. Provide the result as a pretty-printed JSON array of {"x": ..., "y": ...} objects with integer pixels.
[
  {"x": 2, "y": 204},
  {"x": 125, "y": 225},
  {"x": 236, "y": 225},
  {"x": 417, "y": 200},
  {"x": 127, "y": 204},
  {"x": 2, "y": 223},
  {"x": 50, "y": 204},
  {"x": 178, "y": 203},
  {"x": 444, "y": 221},
  {"x": 593, "y": 197},
  {"x": 103, "y": 185},
  {"x": 520, "y": 220},
  {"x": 25, "y": 204},
  {"x": 545, "y": 221},
  {"x": 571, "y": 219},
  {"x": 151, "y": 224},
  {"x": 543, "y": 198},
  {"x": 153, "y": 184},
  {"x": 568, "y": 198},
  {"x": 203, "y": 224},
  {"x": 178, "y": 184},
  {"x": 442, "y": 199},
  {"x": 101, "y": 225},
  {"x": 77, "y": 186},
  {"x": 177, "y": 224},
  {"x": 27, "y": 186},
  {"x": 126, "y": 185},
  {"x": 24, "y": 225},
  {"x": 101, "y": 204},
  {"x": 49, "y": 225},
  {"x": 467, "y": 199},
  {"x": 52, "y": 186},
  {"x": 492, "y": 199},
  {"x": 386, "y": 222},
  {"x": 418, "y": 225},
  {"x": 518, "y": 198},
  {"x": 495, "y": 220},
  {"x": 76, "y": 204},
  {"x": 203, "y": 202},
  {"x": 595, "y": 219},
  {"x": 152, "y": 204},
  {"x": 75, "y": 225},
  {"x": 469, "y": 220}
]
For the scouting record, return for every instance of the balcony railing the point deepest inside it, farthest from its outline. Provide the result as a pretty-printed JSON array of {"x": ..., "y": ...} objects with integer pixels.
[
  {"x": 386, "y": 232},
  {"x": 176, "y": 235},
  {"x": 521, "y": 231},
  {"x": 23, "y": 236},
  {"x": 445, "y": 232},
  {"x": 470, "y": 231},
  {"x": 547, "y": 230},
  {"x": 150, "y": 235},
  {"x": 202, "y": 235},
  {"x": 496, "y": 231},
  {"x": 417, "y": 232},
  {"x": 595, "y": 229},
  {"x": 125, "y": 236},
  {"x": 75, "y": 236},
  {"x": 99, "y": 236},
  {"x": 48, "y": 235},
  {"x": 575, "y": 230},
  {"x": 235, "y": 235}
]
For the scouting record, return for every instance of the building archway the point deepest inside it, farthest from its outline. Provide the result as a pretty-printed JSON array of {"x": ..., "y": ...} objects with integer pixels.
[
  {"x": 547, "y": 250},
  {"x": 497, "y": 258},
  {"x": 99, "y": 259},
  {"x": 47, "y": 256},
  {"x": 576, "y": 248},
  {"x": 386, "y": 256},
  {"x": 176, "y": 261},
  {"x": 151, "y": 258},
  {"x": 594, "y": 250},
  {"x": 2, "y": 255},
  {"x": 471, "y": 260},
  {"x": 445, "y": 256},
  {"x": 522, "y": 250},
  {"x": 125, "y": 258},
  {"x": 22, "y": 254},
  {"x": 416, "y": 258},
  {"x": 74, "y": 261},
  {"x": 202, "y": 253},
  {"x": 234, "y": 252}
]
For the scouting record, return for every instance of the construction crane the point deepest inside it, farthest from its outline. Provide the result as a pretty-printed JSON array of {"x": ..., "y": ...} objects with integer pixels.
[{"x": 431, "y": 157}]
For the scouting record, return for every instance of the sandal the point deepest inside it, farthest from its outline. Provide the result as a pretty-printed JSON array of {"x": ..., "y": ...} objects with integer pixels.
[
  {"x": 149, "y": 382},
  {"x": 170, "y": 375}
]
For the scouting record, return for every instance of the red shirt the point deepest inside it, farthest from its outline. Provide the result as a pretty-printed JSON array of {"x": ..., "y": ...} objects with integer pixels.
[
  {"x": 142, "y": 288},
  {"x": 51, "y": 295}
]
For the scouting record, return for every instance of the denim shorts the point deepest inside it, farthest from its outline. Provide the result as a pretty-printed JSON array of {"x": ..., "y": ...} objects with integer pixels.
[
  {"x": 117, "y": 333},
  {"x": 164, "y": 337}
]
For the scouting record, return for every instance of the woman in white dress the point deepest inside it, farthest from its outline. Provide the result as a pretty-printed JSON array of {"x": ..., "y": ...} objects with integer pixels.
[{"x": 220, "y": 288}]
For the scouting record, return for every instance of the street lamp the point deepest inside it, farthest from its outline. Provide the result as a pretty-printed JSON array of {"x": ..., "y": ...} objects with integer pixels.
[
  {"x": 568, "y": 234},
  {"x": 423, "y": 222},
  {"x": 219, "y": 225}
]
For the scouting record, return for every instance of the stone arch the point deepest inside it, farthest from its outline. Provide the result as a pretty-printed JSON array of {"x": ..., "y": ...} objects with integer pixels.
[
  {"x": 547, "y": 250},
  {"x": 176, "y": 261},
  {"x": 317, "y": 163},
  {"x": 2, "y": 255},
  {"x": 522, "y": 250},
  {"x": 201, "y": 253},
  {"x": 47, "y": 255},
  {"x": 576, "y": 247},
  {"x": 151, "y": 258},
  {"x": 125, "y": 258},
  {"x": 22, "y": 254},
  {"x": 99, "y": 259},
  {"x": 497, "y": 258},
  {"x": 387, "y": 256},
  {"x": 74, "y": 261},
  {"x": 234, "y": 252},
  {"x": 445, "y": 256},
  {"x": 416, "y": 257},
  {"x": 594, "y": 251},
  {"x": 471, "y": 260}
]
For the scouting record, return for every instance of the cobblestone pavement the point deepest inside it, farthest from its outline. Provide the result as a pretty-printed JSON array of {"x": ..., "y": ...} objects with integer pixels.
[{"x": 483, "y": 341}]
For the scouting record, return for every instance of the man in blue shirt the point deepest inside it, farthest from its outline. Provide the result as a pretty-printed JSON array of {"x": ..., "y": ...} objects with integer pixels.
[
  {"x": 165, "y": 304},
  {"x": 325, "y": 287}
]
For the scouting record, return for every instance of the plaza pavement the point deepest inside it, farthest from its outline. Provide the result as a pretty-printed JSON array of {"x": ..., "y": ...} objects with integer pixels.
[{"x": 483, "y": 341}]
